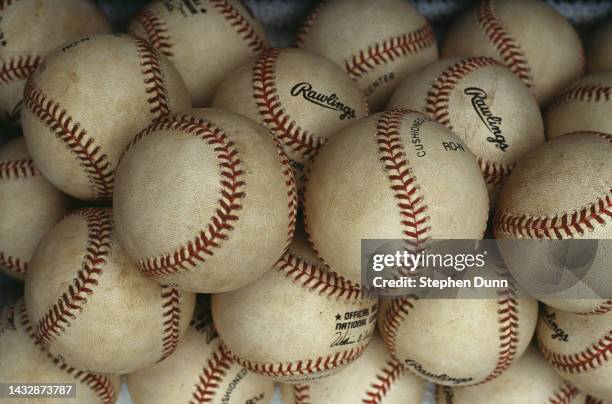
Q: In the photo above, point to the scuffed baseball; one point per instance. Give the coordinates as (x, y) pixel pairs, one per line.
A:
(30, 29)
(301, 97)
(560, 191)
(25, 361)
(378, 43)
(373, 378)
(297, 323)
(92, 308)
(482, 102)
(579, 348)
(394, 175)
(87, 100)
(205, 40)
(582, 106)
(201, 370)
(599, 48)
(217, 207)
(29, 207)
(529, 380)
(530, 37)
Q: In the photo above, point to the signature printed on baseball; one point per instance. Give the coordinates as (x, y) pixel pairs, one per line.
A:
(558, 333)
(492, 122)
(329, 101)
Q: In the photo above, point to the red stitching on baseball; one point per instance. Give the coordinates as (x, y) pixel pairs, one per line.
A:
(378, 390)
(509, 50)
(212, 376)
(154, 78)
(14, 169)
(388, 50)
(494, 173)
(324, 282)
(413, 210)
(302, 367)
(99, 384)
(240, 24)
(13, 264)
(231, 193)
(593, 400)
(301, 394)
(19, 68)
(291, 191)
(308, 23)
(585, 93)
(155, 30)
(588, 359)
(393, 317)
(564, 395)
(75, 138)
(272, 112)
(601, 309)
(99, 242)
(171, 306)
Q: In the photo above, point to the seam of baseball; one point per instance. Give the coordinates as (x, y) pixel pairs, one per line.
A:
(292, 194)
(506, 46)
(593, 400)
(308, 23)
(74, 137)
(601, 309)
(590, 358)
(13, 264)
(393, 317)
(301, 394)
(412, 207)
(188, 254)
(156, 31)
(71, 303)
(564, 394)
(16, 169)
(312, 277)
(585, 93)
(494, 173)
(155, 83)
(240, 24)
(212, 376)
(19, 68)
(385, 379)
(388, 50)
(171, 308)
(271, 110)
(302, 367)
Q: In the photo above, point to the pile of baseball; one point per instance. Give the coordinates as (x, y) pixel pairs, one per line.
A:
(189, 157)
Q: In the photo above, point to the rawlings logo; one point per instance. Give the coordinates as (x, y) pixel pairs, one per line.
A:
(558, 333)
(330, 101)
(492, 122)
(441, 378)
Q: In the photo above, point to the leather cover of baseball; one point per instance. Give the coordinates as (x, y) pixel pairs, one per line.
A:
(301, 97)
(87, 100)
(582, 106)
(394, 175)
(482, 102)
(201, 370)
(205, 40)
(298, 322)
(599, 49)
(529, 380)
(560, 191)
(205, 201)
(91, 307)
(25, 361)
(373, 378)
(530, 37)
(30, 30)
(378, 43)
(579, 348)
(29, 207)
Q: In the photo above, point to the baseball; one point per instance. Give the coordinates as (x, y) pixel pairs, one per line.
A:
(25, 361)
(484, 104)
(297, 323)
(373, 378)
(197, 217)
(394, 175)
(378, 43)
(86, 299)
(301, 97)
(29, 207)
(599, 49)
(201, 370)
(557, 193)
(87, 100)
(29, 30)
(532, 39)
(529, 380)
(579, 348)
(583, 106)
(204, 39)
